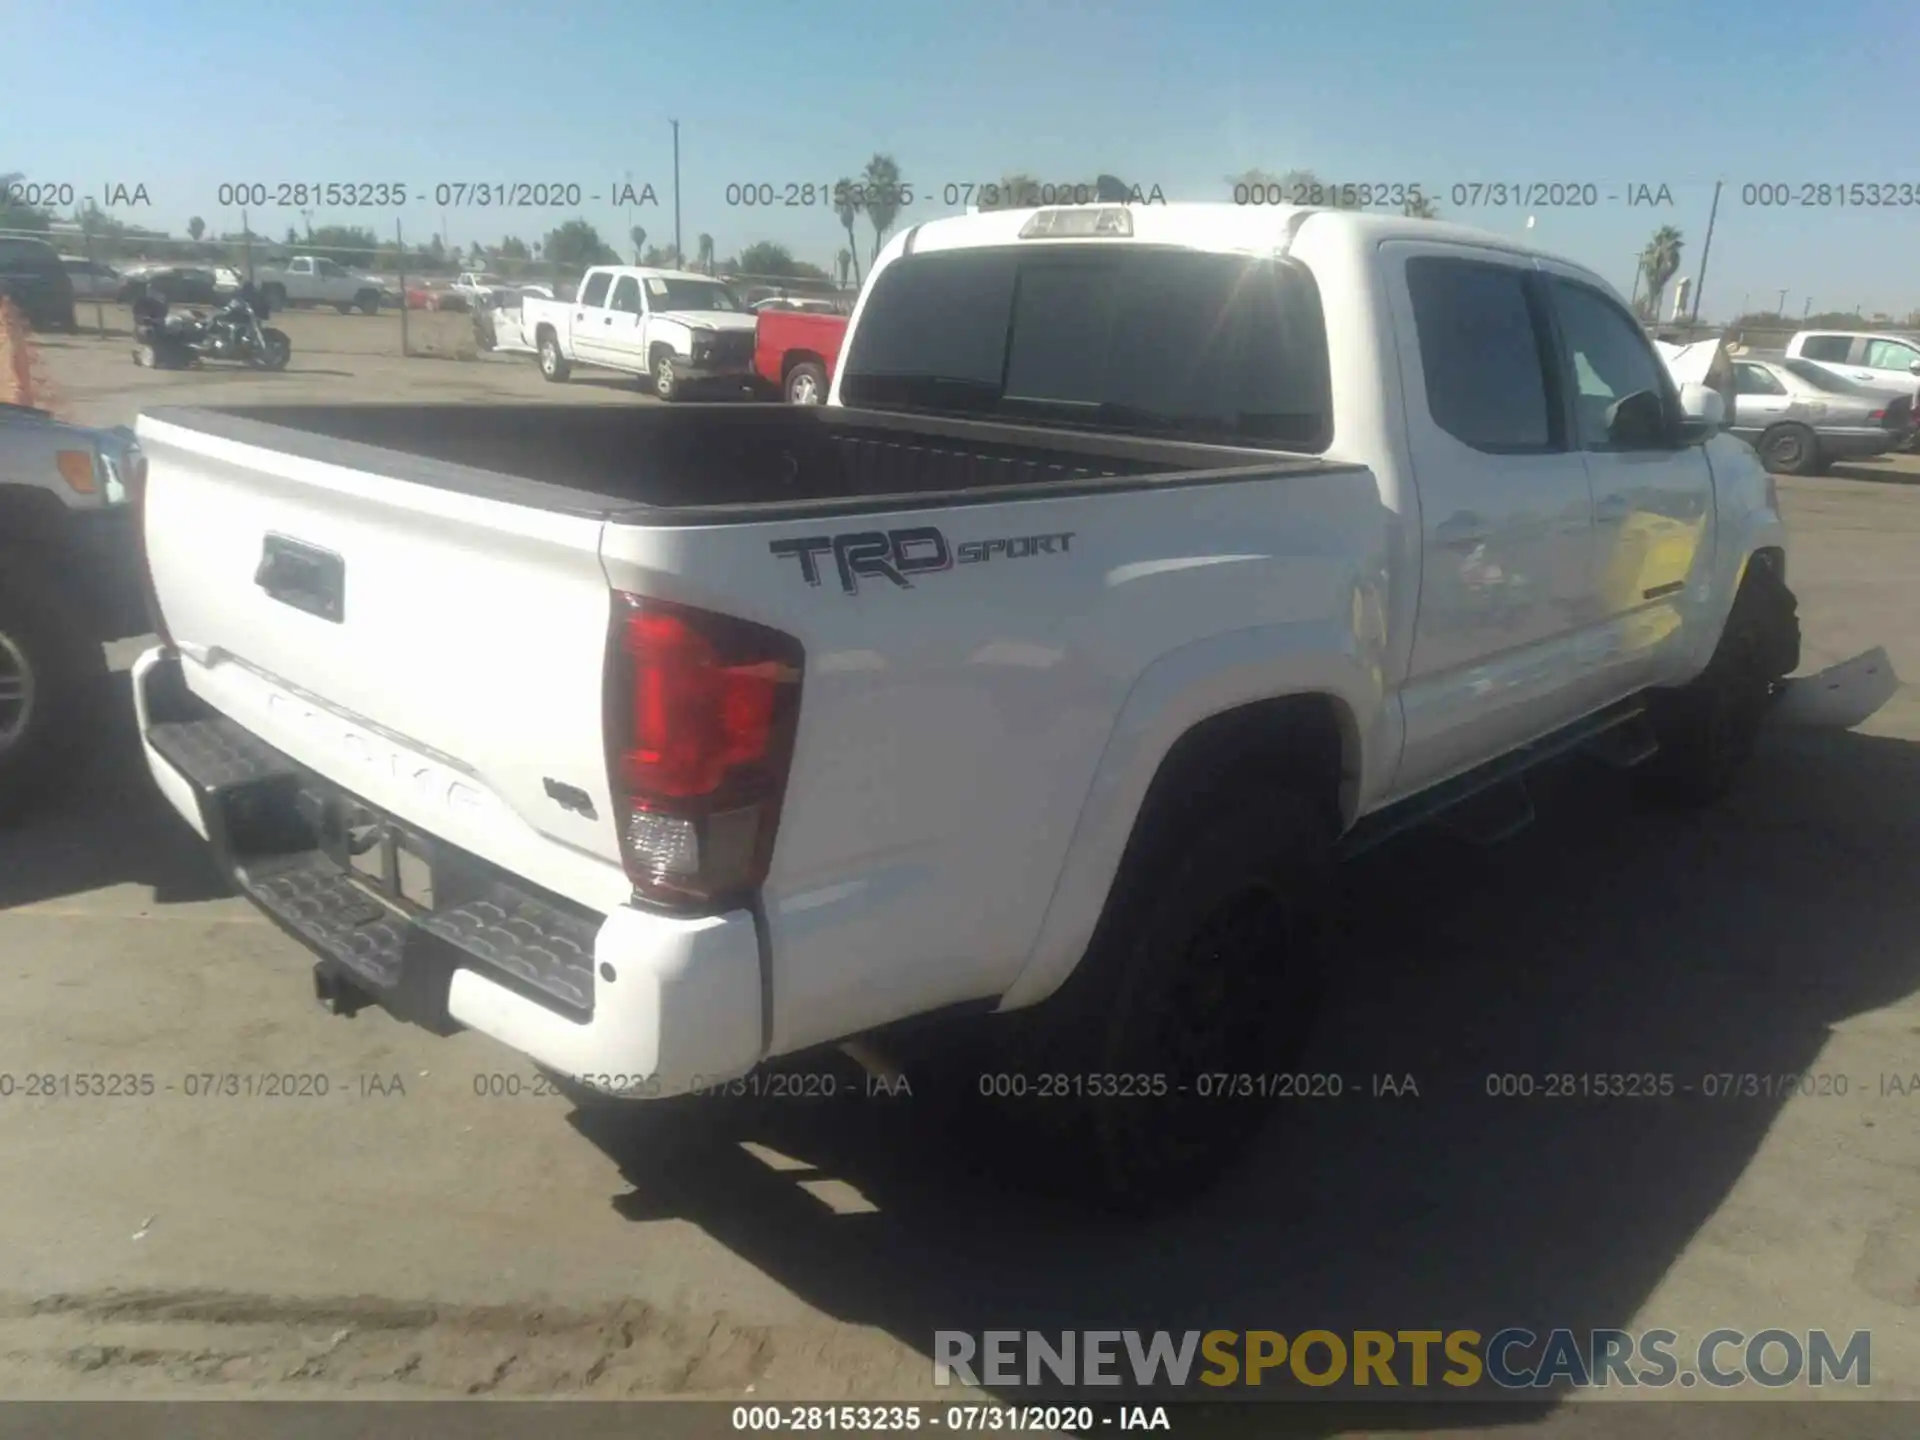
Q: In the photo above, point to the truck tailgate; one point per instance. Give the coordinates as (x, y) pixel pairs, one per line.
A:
(438, 654)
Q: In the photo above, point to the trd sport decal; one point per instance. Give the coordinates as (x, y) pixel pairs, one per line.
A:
(897, 554)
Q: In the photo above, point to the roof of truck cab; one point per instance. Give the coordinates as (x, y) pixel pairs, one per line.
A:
(1905, 337)
(649, 272)
(1218, 226)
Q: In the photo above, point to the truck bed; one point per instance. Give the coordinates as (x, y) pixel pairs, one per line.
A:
(724, 462)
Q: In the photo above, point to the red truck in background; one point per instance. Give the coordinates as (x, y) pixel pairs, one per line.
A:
(795, 350)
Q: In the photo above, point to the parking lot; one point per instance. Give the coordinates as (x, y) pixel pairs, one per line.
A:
(430, 1226)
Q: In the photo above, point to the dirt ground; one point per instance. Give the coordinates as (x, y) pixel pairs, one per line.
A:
(430, 1227)
(336, 358)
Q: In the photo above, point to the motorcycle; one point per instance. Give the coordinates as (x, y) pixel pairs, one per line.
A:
(168, 341)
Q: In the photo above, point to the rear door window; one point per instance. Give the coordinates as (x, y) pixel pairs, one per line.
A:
(1482, 353)
(594, 293)
(1826, 347)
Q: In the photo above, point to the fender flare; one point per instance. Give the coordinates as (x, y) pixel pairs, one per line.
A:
(1180, 690)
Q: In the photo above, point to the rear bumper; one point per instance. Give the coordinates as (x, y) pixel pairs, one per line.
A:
(633, 1003)
(1857, 444)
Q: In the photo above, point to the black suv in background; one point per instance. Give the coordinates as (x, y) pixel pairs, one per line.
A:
(32, 275)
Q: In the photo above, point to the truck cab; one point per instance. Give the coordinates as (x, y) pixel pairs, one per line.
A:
(315, 280)
(677, 327)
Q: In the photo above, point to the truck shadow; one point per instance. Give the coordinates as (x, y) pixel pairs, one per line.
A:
(1884, 473)
(1611, 939)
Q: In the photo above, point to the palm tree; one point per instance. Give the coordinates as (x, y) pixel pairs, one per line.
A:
(846, 204)
(706, 253)
(196, 227)
(1659, 262)
(638, 235)
(882, 179)
(844, 260)
(1420, 208)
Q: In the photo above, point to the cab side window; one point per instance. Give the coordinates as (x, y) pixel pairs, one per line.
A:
(1484, 353)
(1890, 355)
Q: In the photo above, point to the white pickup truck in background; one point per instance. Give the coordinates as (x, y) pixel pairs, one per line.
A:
(315, 280)
(1147, 561)
(1885, 362)
(676, 327)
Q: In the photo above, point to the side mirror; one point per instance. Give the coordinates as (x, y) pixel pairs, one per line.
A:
(1914, 368)
(1638, 421)
(1703, 404)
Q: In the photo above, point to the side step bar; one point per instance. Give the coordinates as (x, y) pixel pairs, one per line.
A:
(1491, 803)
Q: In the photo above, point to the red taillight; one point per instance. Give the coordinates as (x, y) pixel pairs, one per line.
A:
(700, 723)
(137, 492)
(1876, 414)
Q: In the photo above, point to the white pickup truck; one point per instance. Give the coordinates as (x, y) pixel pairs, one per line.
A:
(1146, 561)
(674, 326)
(316, 280)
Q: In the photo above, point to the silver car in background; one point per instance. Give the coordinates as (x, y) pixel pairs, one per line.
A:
(1802, 418)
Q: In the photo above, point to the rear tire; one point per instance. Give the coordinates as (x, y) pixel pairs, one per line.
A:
(1789, 449)
(807, 384)
(279, 350)
(51, 672)
(368, 302)
(1207, 964)
(553, 364)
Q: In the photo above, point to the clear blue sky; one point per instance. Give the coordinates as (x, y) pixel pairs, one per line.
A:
(182, 95)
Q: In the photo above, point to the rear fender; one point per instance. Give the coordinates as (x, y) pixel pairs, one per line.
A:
(1177, 692)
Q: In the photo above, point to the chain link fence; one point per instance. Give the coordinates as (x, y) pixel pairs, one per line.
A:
(391, 298)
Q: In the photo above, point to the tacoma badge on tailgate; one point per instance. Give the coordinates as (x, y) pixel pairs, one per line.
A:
(896, 554)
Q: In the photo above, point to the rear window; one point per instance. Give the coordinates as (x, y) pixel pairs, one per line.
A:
(1141, 339)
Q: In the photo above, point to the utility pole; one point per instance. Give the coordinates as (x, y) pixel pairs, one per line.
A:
(1700, 281)
(1781, 308)
(1806, 309)
(1633, 301)
(676, 193)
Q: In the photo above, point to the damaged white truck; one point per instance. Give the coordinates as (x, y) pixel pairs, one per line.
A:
(1145, 562)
